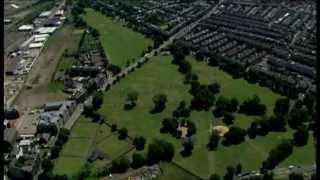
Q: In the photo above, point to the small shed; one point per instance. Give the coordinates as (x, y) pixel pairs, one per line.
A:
(36, 45)
(26, 28)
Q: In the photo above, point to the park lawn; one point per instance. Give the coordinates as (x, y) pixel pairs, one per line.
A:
(68, 165)
(76, 147)
(84, 128)
(114, 147)
(104, 132)
(305, 155)
(237, 88)
(156, 76)
(171, 171)
(119, 42)
(160, 76)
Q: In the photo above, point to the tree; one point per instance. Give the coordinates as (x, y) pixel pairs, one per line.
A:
(309, 102)
(55, 150)
(277, 123)
(94, 32)
(213, 140)
(213, 61)
(45, 176)
(181, 111)
(301, 136)
(268, 176)
(199, 56)
(281, 106)
(224, 105)
(63, 136)
(252, 130)
(187, 148)
(137, 160)
(214, 87)
(252, 106)
(185, 67)
(214, 177)
(123, 133)
(114, 69)
(159, 101)
(295, 176)
(169, 125)
(47, 165)
(278, 154)
(60, 177)
(235, 135)
(87, 110)
(203, 98)
(228, 118)
(120, 166)
(113, 127)
(97, 100)
(229, 174)
(160, 150)
(131, 99)
(139, 142)
(233, 105)
(298, 116)
(238, 168)
(191, 128)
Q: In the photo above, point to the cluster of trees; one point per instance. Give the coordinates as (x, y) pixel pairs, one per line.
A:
(278, 154)
(277, 122)
(160, 150)
(225, 106)
(131, 101)
(252, 106)
(139, 142)
(181, 111)
(114, 69)
(214, 140)
(120, 166)
(235, 135)
(159, 101)
(170, 125)
(187, 148)
(63, 137)
(97, 100)
(179, 53)
(122, 133)
(203, 95)
(299, 115)
(190, 77)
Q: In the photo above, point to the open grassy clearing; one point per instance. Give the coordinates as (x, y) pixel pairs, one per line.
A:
(170, 171)
(86, 135)
(68, 165)
(120, 43)
(160, 76)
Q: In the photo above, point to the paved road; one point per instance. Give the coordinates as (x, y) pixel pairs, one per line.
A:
(306, 170)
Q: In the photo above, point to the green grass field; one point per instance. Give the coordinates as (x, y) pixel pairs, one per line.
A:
(160, 76)
(86, 135)
(120, 43)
